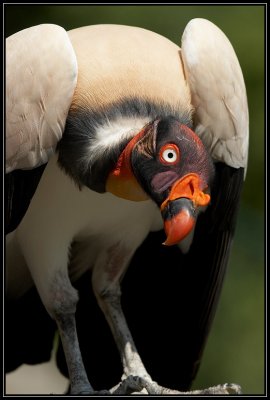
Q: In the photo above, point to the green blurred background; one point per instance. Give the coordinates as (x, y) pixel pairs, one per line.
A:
(235, 349)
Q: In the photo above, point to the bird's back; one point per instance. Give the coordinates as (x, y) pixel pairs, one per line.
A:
(117, 62)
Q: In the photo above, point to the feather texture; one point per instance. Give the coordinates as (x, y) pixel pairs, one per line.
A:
(218, 92)
(41, 74)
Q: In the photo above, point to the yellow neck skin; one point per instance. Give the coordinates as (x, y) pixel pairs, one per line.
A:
(121, 181)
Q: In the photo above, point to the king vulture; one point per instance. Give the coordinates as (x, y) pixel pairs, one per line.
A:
(122, 150)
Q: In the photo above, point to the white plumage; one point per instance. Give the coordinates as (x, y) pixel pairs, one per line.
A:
(41, 75)
(222, 112)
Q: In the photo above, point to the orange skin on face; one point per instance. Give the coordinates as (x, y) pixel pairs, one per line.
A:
(188, 187)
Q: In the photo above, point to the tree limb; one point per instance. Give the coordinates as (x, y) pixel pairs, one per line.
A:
(138, 385)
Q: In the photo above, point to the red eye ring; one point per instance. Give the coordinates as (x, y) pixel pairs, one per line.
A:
(169, 154)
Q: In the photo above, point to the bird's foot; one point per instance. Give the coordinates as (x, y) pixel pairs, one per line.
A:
(136, 384)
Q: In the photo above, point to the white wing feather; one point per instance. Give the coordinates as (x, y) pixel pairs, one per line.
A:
(41, 75)
(218, 92)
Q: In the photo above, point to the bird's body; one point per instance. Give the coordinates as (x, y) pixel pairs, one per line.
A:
(128, 162)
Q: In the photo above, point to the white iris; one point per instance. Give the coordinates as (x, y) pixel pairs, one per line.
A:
(169, 155)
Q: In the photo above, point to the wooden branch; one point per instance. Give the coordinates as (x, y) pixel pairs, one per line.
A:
(138, 385)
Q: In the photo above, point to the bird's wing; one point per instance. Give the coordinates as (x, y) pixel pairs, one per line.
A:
(39, 90)
(221, 119)
(218, 92)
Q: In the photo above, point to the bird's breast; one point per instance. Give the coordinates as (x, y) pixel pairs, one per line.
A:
(62, 213)
(104, 221)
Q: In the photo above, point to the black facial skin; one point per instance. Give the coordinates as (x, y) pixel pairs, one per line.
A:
(155, 177)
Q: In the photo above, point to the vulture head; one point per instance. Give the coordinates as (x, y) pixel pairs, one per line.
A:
(167, 162)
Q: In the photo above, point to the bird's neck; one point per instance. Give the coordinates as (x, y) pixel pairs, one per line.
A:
(93, 141)
(121, 180)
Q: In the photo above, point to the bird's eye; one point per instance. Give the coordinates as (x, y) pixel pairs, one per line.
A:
(169, 154)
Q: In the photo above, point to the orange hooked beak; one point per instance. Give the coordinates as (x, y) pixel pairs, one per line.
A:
(179, 209)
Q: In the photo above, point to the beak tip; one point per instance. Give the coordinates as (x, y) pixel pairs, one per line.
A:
(165, 243)
(178, 226)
